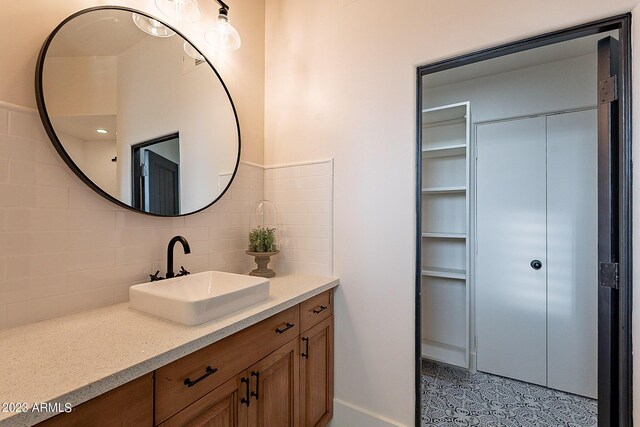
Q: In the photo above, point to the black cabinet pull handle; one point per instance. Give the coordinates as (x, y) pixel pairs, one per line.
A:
(284, 328)
(208, 372)
(306, 352)
(319, 309)
(246, 400)
(256, 394)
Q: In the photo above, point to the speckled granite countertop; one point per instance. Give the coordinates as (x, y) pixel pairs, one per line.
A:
(75, 358)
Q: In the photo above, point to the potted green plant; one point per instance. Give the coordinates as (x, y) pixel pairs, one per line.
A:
(262, 246)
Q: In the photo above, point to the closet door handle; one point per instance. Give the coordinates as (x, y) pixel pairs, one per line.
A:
(536, 264)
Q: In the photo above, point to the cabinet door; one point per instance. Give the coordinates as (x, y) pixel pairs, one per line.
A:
(226, 406)
(316, 374)
(274, 388)
(511, 289)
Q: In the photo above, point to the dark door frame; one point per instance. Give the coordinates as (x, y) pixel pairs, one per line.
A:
(621, 403)
(137, 186)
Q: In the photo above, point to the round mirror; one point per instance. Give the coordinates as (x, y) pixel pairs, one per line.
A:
(137, 112)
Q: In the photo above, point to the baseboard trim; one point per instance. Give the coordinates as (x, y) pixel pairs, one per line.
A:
(347, 415)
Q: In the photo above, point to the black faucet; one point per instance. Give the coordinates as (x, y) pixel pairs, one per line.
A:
(187, 250)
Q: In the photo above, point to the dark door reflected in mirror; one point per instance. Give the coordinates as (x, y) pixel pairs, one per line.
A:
(156, 171)
(135, 116)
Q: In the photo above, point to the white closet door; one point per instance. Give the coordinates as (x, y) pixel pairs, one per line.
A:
(572, 226)
(511, 232)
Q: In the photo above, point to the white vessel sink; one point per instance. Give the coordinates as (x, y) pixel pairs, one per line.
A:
(199, 297)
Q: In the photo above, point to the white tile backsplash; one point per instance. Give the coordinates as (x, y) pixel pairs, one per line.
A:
(3, 264)
(14, 148)
(63, 248)
(43, 308)
(25, 124)
(3, 316)
(17, 196)
(52, 197)
(22, 172)
(45, 242)
(4, 170)
(303, 196)
(33, 288)
(4, 121)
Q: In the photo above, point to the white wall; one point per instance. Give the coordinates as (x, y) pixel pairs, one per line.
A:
(341, 78)
(81, 85)
(546, 88)
(192, 103)
(75, 148)
(98, 157)
(167, 149)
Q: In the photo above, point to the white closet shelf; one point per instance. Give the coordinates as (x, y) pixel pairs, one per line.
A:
(444, 235)
(449, 122)
(444, 190)
(444, 113)
(444, 151)
(448, 273)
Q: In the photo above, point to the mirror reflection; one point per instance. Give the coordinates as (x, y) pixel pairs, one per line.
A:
(136, 109)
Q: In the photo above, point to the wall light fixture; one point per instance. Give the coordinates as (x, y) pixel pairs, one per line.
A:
(221, 36)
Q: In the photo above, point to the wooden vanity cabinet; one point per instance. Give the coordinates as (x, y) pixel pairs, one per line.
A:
(290, 387)
(264, 395)
(210, 367)
(276, 373)
(223, 407)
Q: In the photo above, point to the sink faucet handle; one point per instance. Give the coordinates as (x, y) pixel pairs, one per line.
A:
(183, 272)
(154, 277)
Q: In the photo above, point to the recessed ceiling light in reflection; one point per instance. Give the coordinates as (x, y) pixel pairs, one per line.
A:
(102, 131)
(151, 26)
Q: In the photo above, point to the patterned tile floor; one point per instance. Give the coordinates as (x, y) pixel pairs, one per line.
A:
(455, 397)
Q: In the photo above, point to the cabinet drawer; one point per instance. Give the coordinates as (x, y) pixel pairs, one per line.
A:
(316, 309)
(184, 381)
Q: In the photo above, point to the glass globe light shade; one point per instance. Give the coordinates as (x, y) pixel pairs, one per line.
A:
(223, 35)
(192, 51)
(263, 214)
(151, 26)
(180, 10)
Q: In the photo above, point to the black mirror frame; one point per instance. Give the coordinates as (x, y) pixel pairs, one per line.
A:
(44, 116)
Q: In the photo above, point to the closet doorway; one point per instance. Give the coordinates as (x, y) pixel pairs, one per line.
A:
(523, 295)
